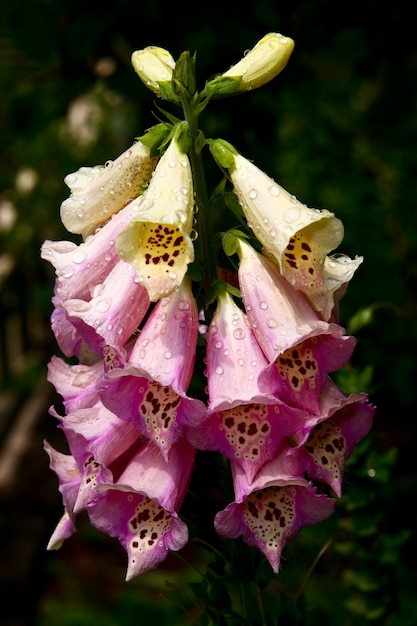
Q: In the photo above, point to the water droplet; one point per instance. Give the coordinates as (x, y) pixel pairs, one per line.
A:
(274, 190)
(103, 305)
(238, 333)
(66, 272)
(168, 354)
(219, 370)
(253, 194)
(78, 257)
(183, 305)
(218, 344)
(263, 305)
(272, 323)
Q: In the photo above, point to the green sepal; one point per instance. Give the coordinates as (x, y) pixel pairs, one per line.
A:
(230, 241)
(155, 137)
(167, 92)
(181, 132)
(222, 87)
(184, 74)
(223, 152)
(218, 287)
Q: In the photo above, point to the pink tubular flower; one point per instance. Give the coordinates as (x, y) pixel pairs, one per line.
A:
(69, 476)
(99, 192)
(113, 313)
(301, 348)
(150, 391)
(271, 510)
(157, 242)
(243, 423)
(299, 238)
(97, 440)
(141, 510)
(79, 269)
(322, 451)
(79, 385)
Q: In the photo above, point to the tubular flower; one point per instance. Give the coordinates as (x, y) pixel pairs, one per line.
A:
(157, 242)
(78, 385)
(301, 348)
(113, 313)
(261, 64)
(243, 423)
(150, 391)
(271, 510)
(297, 237)
(141, 510)
(79, 269)
(322, 452)
(99, 192)
(69, 476)
(97, 439)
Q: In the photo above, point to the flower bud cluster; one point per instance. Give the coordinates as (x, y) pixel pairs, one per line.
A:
(126, 312)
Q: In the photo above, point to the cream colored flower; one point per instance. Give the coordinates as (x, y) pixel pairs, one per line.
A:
(157, 242)
(99, 192)
(296, 236)
(261, 64)
(154, 66)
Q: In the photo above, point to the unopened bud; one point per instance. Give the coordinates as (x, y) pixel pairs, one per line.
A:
(261, 64)
(155, 67)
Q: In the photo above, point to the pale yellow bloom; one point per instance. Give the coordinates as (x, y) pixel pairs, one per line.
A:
(261, 64)
(99, 192)
(296, 236)
(154, 66)
(157, 242)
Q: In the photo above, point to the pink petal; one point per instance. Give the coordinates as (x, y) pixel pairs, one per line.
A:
(324, 453)
(273, 509)
(301, 349)
(244, 424)
(80, 268)
(150, 391)
(142, 509)
(113, 313)
(78, 385)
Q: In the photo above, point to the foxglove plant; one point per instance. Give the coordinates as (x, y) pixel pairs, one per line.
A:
(184, 340)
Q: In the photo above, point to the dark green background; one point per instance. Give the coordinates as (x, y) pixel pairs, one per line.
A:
(338, 129)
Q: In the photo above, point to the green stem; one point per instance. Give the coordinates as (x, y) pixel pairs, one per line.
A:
(204, 243)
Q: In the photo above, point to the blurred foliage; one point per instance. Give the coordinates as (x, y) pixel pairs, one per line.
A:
(337, 128)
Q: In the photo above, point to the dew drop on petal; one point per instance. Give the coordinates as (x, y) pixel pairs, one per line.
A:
(78, 257)
(183, 305)
(238, 333)
(103, 305)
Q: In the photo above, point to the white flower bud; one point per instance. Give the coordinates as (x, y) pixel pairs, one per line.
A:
(261, 64)
(153, 65)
